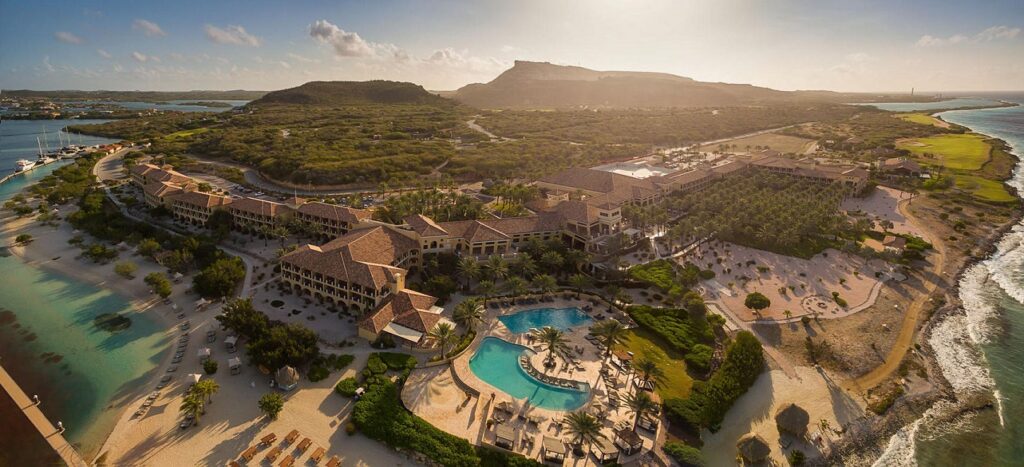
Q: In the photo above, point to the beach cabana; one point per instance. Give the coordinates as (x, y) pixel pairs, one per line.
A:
(235, 364)
(792, 419)
(193, 378)
(505, 437)
(753, 448)
(628, 441)
(287, 378)
(554, 449)
(605, 450)
(230, 342)
(202, 302)
(204, 354)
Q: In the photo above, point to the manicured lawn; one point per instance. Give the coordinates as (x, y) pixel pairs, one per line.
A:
(960, 152)
(645, 344)
(923, 119)
(989, 190)
(185, 133)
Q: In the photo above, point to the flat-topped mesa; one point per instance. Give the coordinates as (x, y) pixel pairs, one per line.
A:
(338, 93)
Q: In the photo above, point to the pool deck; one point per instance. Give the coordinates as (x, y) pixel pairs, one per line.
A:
(436, 394)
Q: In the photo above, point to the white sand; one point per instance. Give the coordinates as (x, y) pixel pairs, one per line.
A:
(755, 411)
(882, 205)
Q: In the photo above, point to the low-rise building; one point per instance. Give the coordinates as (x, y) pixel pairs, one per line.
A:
(901, 167)
(406, 315)
(331, 220)
(161, 193)
(196, 207)
(255, 215)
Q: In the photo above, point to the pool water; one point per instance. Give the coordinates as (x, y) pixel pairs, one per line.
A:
(496, 362)
(558, 318)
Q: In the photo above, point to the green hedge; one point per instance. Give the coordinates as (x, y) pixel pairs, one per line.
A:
(347, 387)
(685, 455)
(677, 326)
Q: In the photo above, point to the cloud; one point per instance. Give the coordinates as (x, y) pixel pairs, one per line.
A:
(345, 44)
(139, 57)
(47, 65)
(234, 35)
(103, 53)
(301, 59)
(149, 28)
(67, 37)
(988, 35)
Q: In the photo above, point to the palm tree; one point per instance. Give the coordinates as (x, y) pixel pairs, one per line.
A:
(444, 334)
(486, 288)
(524, 266)
(469, 314)
(648, 371)
(579, 282)
(206, 389)
(553, 340)
(516, 286)
(552, 260)
(610, 332)
(546, 283)
(193, 405)
(640, 404)
(469, 267)
(583, 427)
(497, 266)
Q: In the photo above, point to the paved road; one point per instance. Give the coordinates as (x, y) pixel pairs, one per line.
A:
(56, 439)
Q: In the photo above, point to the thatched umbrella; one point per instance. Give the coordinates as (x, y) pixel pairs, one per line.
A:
(792, 419)
(753, 448)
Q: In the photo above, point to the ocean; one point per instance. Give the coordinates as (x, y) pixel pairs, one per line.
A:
(981, 350)
(47, 338)
(18, 139)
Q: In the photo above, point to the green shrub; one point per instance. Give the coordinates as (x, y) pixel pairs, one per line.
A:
(699, 358)
(210, 366)
(317, 373)
(677, 326)
(376, 365)
(685, 455)
(347, 387)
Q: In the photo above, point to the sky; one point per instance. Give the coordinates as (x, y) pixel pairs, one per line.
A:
(850, 45)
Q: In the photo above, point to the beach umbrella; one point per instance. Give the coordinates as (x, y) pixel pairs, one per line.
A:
(753, 448)
(792, 419)
(194, 377)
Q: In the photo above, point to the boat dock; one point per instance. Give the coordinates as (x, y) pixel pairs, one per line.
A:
(65, 450)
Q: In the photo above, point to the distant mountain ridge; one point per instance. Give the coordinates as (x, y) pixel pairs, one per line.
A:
(540, 85)
(353, 93)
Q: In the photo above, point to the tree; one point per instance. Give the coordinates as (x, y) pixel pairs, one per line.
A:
(487, 289)
(497, 267)
(648, 370)
(579, 281)
(583, 427)
(125, 269)
(468, 314)
(148, 247)
(241, 317)
(193, 405)
(610, 333)
(469, 268)
(210, 366)
(552, 260)
(546, 283)
(271, 404)
(757, 301)
(444, 334)
(22, 239)
(206, 388)
(158, 281)
(640, 404)
(516, 286)
(553, 340)
(284, 344)
(219, 279)
(220, 223)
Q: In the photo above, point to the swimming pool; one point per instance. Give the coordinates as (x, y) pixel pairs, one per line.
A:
(559, 318)
(496, 362)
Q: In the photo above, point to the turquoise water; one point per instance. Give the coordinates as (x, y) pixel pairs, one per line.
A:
(946, 104)
(18, 139)
(558, 318)
(496, 362)
(49, 344)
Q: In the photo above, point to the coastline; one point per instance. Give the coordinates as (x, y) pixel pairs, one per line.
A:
(869, 440)
(50, 243)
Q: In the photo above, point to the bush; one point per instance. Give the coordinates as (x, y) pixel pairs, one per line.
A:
(125, 269)
(219, 278)
(350, 428)
(347, 387)
(317, 373)
(677, 326)
(796, 458)
(376, 365)
(324, 364)
(158, 281)
(699, 358)
(210, 366)
(685, 455)
(23, 238)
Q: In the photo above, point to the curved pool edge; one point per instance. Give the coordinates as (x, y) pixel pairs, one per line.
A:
(587, 394)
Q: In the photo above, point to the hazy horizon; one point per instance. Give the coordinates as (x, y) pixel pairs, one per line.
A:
(870, 46)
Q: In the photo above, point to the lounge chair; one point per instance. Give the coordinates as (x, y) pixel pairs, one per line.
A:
(317, 455)
(248, 454)
(272, 455)
(304, 445)
(268, 439)
(287, 461)
(292, 436)
(334, 462)
(234, 464)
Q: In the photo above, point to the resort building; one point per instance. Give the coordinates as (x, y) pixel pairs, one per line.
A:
(162, 193)
(195, 207)
(852, 176)
(901, 167)
(331, 220)
(600, 187)
(144, 174)
(483, 237)
(254, 215)
(406, 315)
(357, 271)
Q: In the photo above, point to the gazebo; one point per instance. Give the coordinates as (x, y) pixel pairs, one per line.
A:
(204, 354)
(235, 364)
(753, 448)
(230, 342)
(505, 437)
(793, 420)
(287, 378)
(605, 450)
(554, 449)
(627, 440)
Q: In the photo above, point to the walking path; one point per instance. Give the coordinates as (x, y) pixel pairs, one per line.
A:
(772, 352)
(910, 320)
(56, 438)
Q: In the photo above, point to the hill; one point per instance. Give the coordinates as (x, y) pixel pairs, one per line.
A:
(335, 93)
(542, 85)
(136, 96)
